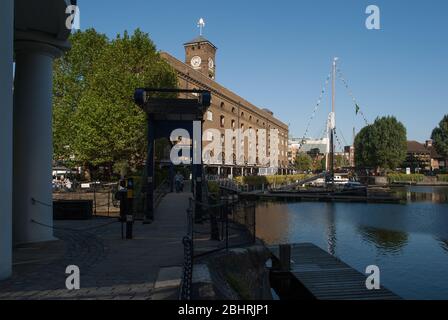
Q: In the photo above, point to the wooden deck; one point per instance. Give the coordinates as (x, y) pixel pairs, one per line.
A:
(328, 278)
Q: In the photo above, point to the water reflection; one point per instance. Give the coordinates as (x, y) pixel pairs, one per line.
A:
(386, 241)
(444, 244)
(273, 221)
(409, 242)
(434, 194)
(330, 228)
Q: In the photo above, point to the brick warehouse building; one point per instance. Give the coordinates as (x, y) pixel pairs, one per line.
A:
(227, 110)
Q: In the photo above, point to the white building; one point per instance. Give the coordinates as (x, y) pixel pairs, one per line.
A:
(299, 145)
(35, 32)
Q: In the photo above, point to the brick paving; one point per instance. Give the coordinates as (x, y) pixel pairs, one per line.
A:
(111, 268)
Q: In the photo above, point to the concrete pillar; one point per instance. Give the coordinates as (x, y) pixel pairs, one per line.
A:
(6, 79)
(33, 150)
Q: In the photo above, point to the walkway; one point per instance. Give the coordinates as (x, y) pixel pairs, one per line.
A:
(111, 268)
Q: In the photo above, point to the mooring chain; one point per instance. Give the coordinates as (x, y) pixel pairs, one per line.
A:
(187, 275)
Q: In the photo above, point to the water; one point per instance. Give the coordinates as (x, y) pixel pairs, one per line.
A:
(408, 242)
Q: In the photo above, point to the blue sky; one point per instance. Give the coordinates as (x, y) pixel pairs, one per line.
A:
(277, 54)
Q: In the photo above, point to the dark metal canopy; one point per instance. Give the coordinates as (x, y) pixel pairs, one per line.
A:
(195, 107)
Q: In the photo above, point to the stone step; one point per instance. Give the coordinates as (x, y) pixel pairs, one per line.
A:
(167, 285)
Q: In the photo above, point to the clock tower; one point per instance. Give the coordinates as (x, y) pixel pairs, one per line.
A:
(200, 55)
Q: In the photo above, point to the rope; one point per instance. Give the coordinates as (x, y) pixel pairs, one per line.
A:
(337, 140)
(313, 114)
(73, 230)
(358, 109)
(343, 138)
(34, 201)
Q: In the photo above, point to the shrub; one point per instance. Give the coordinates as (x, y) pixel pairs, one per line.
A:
(213, 187)
(401, 177)
(442, 177)
(258, 181)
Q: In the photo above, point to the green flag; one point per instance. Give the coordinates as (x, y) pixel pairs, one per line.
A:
(356, 108)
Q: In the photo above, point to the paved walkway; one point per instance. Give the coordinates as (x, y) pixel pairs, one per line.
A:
(111, 268)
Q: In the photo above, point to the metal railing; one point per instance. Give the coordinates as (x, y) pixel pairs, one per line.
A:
(224, 225)
(101, 195)
(187, 273)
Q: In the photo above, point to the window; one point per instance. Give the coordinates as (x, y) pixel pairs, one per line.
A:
(222, 105)
(209, 136)
(222, 121)
(242, 114)
(233, 110)
(233, 124)
(209, 116)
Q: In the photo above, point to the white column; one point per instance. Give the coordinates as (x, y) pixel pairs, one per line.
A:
(6, 78)
(33, 141)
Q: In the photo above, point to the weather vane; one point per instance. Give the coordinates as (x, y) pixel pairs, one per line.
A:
(201, 25)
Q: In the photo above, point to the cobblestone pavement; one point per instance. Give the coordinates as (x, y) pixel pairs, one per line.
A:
(111, 268)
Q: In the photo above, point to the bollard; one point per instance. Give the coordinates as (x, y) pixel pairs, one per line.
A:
(130, 204)
(285, 257)
(129, 226)
(120, 195)
(125, 195)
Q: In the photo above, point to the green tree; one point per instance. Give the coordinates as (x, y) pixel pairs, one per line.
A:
(381, 145)
(105, 126)
(440, 137)
(303, 162)
(72, 74)
(340, 161)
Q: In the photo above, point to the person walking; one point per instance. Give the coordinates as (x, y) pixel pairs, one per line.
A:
(179, 182)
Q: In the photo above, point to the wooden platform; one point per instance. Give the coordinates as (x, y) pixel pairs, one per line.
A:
(328, 278)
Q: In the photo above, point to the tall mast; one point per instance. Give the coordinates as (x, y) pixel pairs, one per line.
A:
(333, 91)
(332, 121)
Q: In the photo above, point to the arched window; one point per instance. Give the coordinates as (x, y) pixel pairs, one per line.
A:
(233, 124)
(222, 105)
(222, 121)
(209, 116)
(242, 114)
(233, 110)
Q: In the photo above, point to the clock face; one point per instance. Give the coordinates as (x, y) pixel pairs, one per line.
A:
(196, 62)
(211, 63)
